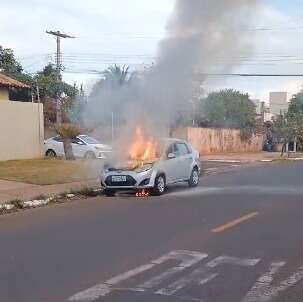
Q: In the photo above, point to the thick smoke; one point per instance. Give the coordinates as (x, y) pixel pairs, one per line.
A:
(199, 34)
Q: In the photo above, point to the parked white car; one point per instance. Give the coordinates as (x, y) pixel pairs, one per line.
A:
(179, 162)
(83, 146)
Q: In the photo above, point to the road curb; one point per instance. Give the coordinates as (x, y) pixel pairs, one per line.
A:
(19, 205)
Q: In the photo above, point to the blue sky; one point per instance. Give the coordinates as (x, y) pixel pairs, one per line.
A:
(128, 31)
(292, 6)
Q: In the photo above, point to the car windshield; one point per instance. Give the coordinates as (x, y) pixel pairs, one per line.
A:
(89, 140)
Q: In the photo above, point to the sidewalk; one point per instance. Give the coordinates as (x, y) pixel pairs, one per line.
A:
(250, 157)
(10, 190)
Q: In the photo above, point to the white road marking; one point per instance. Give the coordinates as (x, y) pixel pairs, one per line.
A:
(101, 290)
(204, 274)
(230, 161)
(264, 291)
(187, 260)
(190, 299)
(232, 260)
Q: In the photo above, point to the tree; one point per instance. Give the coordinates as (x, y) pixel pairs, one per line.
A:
(114, 77)
(49, 88)
(111, 94)
(12, 68)
(77, 107)
(68, 132)
(228, 109)
(8, 63)
(117, 76)
(295, 117)
(296, 104)
(289, 127)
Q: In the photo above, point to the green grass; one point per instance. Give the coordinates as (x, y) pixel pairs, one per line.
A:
(48, 172)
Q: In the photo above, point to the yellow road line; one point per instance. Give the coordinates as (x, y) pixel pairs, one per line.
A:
(235, 222)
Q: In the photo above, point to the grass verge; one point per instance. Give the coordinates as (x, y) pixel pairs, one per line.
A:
(48, 172)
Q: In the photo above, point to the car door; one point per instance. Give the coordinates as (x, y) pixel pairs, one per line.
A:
(57, 146)
(79, 148)
(184, 160)
(171, 164)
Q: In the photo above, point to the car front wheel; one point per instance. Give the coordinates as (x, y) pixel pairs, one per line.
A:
(51, 154)
(159, 187)
(194, 178)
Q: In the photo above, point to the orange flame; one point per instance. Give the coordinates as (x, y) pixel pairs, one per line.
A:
(143, 148)
(142, 193)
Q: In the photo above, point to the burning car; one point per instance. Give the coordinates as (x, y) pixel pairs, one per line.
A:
(152, 166)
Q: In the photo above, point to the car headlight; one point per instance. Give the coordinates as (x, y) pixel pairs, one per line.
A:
(144, 168)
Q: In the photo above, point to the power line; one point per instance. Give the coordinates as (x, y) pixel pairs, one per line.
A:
(92, 71)
(251, 75)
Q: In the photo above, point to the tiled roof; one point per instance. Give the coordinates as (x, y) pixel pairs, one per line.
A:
(9, 82)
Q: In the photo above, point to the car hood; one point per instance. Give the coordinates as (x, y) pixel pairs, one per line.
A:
(131, 165)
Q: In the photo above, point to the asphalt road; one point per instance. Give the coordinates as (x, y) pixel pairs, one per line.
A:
(236, 238)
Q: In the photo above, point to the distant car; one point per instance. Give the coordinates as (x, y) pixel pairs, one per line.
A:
(83, 146)
(178, 162)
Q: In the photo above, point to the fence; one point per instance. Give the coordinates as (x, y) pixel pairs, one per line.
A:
(211, 141)
(21, 130)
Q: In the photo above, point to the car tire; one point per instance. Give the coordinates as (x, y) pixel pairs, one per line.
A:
(159, 186)
(194, 178)
(51, 154)
(90, 155)
(109, 193)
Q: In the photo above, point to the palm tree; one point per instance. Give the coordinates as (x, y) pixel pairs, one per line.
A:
(116, 75)
(68, 132)
(114, 78)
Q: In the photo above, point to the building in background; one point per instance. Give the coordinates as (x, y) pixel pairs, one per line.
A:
(263, 111)
(278, 103)
(266, 115)
(257, 103)
(7, 84)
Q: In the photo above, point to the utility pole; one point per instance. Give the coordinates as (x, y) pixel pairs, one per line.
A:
(58, 36)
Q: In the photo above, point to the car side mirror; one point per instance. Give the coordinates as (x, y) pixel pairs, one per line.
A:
(171, 155)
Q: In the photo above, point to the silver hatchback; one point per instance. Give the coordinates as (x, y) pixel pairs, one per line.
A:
(178, 162)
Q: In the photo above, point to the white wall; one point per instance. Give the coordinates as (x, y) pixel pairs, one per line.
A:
(21, 130)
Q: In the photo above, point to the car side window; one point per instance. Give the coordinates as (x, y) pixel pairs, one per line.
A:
(182, 149)
(77, 141)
